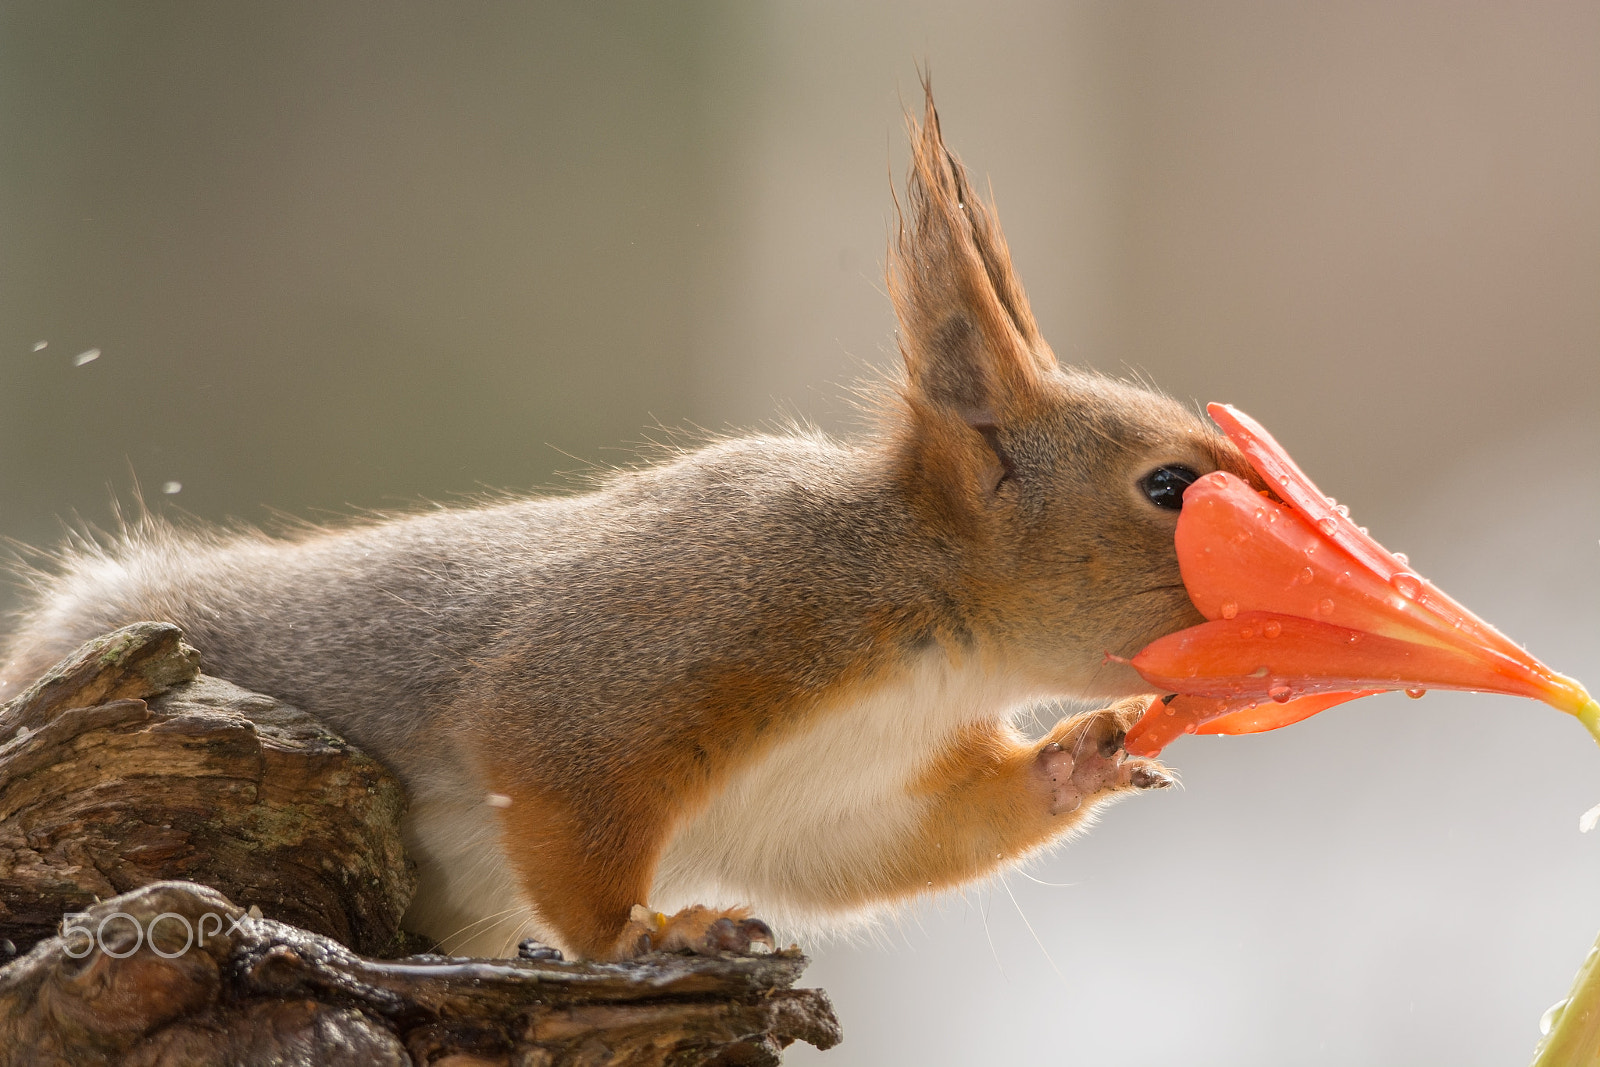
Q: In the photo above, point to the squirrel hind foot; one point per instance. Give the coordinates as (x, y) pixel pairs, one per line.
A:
(700, 930)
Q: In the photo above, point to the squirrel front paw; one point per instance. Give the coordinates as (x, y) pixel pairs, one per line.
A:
(1085, 756)
(703, 931)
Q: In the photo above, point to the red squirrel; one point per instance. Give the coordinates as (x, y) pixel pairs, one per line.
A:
(776, 675)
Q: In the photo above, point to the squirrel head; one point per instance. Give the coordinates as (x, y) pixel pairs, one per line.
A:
(1054, 491)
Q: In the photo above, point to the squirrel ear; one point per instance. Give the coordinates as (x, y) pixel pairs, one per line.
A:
(966, 333)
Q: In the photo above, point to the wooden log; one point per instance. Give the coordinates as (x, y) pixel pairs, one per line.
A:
(175, 973)
(126, 766)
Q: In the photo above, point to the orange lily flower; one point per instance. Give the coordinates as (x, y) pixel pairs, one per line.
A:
(1307, 611)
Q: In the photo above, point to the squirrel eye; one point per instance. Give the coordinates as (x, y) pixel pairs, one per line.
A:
(1165, 485)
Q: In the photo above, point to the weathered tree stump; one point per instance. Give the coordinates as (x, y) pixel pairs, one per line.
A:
(125, 768)
(175, 973)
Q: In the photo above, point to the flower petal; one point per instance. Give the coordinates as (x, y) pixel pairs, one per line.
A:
(1170, 718)
(1261, 655)
(1259, 718)
(1336, 527)
(1308, 611)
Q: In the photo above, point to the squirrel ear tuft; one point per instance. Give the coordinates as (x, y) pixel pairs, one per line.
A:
(966, 333)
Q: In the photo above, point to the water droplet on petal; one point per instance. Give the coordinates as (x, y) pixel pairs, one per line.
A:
(1354, 638)
(1416, 694)
(1327, 524)
(1218, 478)
(1306, 575)
(1408, 585)
(1283, 480)
(1189, 727)
(1551, 1016)
(1363, 529)
(1229, 609)
(1342, 510)
(1247, 631)
(1325, 606)
(1402, 557)
(1280, 693)
(1272, 628)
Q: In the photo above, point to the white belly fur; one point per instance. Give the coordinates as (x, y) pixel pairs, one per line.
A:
(822, 805)
(817, 806)
(467, 898)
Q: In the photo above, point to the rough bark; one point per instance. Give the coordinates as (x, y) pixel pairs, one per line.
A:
(125, 768)
(120, 987)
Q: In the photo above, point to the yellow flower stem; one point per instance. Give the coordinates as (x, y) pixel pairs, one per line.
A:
(1589, 715)
(1574, 1038)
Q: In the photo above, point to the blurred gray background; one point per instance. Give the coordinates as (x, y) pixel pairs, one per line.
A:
(354, 255)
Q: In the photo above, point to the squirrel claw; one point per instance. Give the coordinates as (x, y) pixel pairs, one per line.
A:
(743, 935)
(1150, 776)
(1112, 743)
